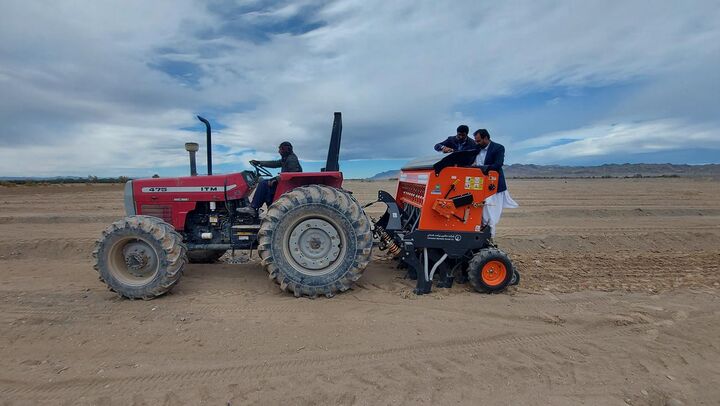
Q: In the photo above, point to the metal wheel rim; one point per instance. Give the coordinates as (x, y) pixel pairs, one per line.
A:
(493, 273)
(315, 245)
(133, 261)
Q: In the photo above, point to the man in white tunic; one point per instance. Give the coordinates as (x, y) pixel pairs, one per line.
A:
(491, 157)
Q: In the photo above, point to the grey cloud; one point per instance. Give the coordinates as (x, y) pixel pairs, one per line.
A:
(396, 69)
(691, 91)
(623, 139)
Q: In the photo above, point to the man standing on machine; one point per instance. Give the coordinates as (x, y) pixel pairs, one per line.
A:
(459, 142)
(491, 157)
(265, 190)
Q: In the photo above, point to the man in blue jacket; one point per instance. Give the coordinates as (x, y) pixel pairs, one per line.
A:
(491, 157)
(459, 142)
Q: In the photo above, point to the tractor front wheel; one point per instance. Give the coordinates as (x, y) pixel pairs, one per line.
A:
(140, 257)
(315, 240)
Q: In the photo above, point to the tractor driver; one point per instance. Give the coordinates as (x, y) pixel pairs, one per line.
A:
(265, 190)
(458, 142)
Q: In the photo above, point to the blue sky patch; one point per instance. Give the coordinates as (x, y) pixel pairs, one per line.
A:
(549, 110)
(185, 72)
(259, 22)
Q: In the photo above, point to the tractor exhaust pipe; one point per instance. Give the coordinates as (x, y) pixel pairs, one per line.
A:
(333, 158)
(209, 149)
(192, 148)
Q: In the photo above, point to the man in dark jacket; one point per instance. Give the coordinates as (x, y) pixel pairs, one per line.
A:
(459, 142)
(265, 190)
(491, 157)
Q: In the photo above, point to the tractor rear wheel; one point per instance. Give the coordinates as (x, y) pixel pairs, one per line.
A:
(315, 240)
(490, 270)
(204, 256)
(140, 257)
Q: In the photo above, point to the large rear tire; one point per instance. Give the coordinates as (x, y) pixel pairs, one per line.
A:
(140, 257)
(315, 240)
(204, 256)
(490, 270)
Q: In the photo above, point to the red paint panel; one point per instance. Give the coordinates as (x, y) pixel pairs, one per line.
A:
(182, 194)
(290, 180)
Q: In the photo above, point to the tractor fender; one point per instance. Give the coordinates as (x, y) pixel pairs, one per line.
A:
(288, 181)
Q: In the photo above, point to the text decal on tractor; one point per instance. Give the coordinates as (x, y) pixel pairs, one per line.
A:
(195, 189)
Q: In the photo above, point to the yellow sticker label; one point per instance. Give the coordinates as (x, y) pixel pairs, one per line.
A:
(474, 183)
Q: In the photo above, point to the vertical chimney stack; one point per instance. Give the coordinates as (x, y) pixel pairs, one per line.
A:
(209, 144)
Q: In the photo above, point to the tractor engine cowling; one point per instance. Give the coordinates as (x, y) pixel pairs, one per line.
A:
(171, 199)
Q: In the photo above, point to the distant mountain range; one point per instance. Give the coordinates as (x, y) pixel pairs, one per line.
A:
(393, 174)
(607, 170)
(38, 178)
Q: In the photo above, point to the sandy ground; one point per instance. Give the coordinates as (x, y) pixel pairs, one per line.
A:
(618, 304)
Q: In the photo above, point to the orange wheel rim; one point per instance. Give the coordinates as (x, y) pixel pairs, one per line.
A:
(494, 273)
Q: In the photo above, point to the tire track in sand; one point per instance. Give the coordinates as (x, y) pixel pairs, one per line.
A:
(67, 310)
(534, 231)
(278, 367)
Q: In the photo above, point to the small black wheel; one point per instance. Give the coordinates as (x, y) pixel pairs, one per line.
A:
(490, 270)
(140, 257)
(204, 256)
(515, 278)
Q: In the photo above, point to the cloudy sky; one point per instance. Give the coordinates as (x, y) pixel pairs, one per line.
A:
(112, 87)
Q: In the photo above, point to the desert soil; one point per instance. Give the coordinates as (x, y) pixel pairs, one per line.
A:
(618, 304)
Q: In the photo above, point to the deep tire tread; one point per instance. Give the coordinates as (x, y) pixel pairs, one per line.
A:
(165, 235)
(479, 260)
(339, 200)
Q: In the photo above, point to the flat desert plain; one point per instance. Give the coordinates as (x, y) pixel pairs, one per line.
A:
(618, 305)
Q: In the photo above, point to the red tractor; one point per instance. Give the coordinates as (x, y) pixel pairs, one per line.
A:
(315, 238)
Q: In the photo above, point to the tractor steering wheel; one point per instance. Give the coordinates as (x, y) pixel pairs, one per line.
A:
(260, 170)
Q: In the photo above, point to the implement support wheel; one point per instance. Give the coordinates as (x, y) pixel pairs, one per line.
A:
(490, 270)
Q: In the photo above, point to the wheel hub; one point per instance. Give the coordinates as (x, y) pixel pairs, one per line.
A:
(139, 259)
(494, 272)
(315, 244)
